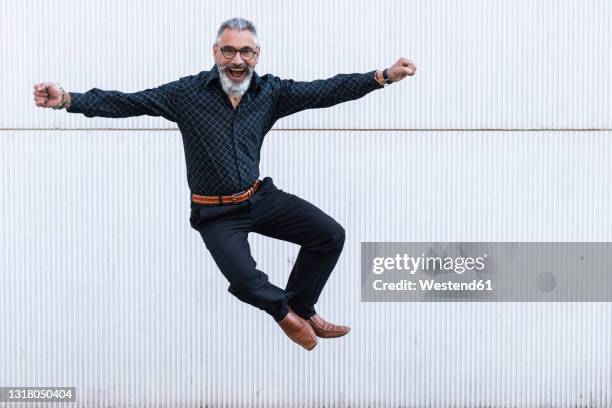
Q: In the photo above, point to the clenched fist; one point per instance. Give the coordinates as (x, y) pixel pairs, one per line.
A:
(47, 94)
(402, 68)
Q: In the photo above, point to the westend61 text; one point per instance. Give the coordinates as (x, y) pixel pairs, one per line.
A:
(430, 284)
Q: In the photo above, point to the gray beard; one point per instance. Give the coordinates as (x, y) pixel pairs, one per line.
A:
(231, 88)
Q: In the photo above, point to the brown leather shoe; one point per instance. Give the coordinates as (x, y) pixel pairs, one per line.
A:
(298, 330)
(326, 329)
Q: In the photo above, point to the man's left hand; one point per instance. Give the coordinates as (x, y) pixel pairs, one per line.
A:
(401, 69)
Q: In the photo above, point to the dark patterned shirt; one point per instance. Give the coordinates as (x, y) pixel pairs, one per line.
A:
(222, 145)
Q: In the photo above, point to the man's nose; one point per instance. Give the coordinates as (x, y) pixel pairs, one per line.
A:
(237, 59)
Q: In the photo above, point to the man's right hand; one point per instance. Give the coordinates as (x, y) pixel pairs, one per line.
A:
(47, 94)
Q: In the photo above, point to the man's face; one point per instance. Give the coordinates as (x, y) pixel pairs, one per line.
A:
(237, 68)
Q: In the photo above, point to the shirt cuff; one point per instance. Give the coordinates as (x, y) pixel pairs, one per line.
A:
(372, 80)
(74, 102)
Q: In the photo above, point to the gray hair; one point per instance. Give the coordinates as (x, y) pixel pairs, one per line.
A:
(239, 24)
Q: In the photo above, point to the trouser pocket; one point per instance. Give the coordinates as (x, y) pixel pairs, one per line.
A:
(201, 214)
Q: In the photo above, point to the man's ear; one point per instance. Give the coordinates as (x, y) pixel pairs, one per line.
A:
(214, 48)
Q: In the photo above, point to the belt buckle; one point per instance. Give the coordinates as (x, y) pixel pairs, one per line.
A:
(234, 197)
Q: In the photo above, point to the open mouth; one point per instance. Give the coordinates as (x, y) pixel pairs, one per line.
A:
(237, 73)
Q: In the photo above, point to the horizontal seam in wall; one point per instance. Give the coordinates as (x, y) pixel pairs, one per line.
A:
(333, 130)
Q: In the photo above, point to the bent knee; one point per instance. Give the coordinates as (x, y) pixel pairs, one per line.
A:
(339, 236)
(332, 239)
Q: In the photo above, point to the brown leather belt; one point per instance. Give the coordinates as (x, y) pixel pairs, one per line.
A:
(228, 199)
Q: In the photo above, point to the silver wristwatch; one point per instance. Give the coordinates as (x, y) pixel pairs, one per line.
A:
(63, 99)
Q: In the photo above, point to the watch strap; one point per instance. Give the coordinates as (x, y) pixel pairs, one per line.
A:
(386, 77)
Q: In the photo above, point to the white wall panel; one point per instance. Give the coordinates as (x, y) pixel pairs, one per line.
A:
(481, 64)
(104, 286)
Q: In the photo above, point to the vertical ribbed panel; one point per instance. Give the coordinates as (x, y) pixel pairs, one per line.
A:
(481, 64)
(104, 286)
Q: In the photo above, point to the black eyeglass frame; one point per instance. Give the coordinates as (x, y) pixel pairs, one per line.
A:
(229, 49)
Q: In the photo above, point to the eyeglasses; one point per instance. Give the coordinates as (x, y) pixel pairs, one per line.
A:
(246, 53)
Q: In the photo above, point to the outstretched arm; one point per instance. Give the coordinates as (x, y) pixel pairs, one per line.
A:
(294, 96)
(159, 101)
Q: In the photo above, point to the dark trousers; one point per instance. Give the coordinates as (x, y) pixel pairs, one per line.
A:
(277, 214)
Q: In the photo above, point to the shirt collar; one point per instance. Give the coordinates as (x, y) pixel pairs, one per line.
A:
(214, 75)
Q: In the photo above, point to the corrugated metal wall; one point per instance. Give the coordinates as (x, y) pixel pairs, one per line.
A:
(104, 285)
